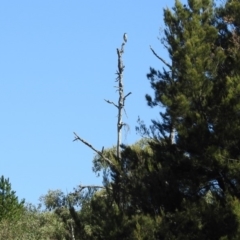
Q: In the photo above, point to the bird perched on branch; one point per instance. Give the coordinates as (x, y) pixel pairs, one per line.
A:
(125, 37)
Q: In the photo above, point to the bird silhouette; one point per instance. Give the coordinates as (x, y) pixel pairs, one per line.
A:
(125, 37)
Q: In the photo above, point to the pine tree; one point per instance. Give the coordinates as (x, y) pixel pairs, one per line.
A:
(200, 94)
(10, 207)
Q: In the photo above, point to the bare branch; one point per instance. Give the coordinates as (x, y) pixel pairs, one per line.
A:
(89, 186)
(161, 59)
(111, 103)
(230, 159)
(80, 188)
(121, 98)
(126, 96)
(94, 149)
(125, 112)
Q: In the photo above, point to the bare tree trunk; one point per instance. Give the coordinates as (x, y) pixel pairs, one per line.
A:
(72, 232)
(119, 106)
(121, 98)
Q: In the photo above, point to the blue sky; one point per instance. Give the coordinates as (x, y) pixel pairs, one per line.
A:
(57, 65)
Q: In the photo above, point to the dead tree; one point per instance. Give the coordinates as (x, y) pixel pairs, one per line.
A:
(119, 106)
(121, 98)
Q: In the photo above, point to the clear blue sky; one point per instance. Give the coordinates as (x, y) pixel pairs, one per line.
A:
(57, 63)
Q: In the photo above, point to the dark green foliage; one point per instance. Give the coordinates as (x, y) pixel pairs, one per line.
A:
(104, 220)
(201, 98)
(10, 207)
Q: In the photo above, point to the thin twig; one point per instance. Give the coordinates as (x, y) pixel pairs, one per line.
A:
(161, 59)
(127, 96)
(230, 159)
(82, 187)
(89, 186)
(111, 103)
